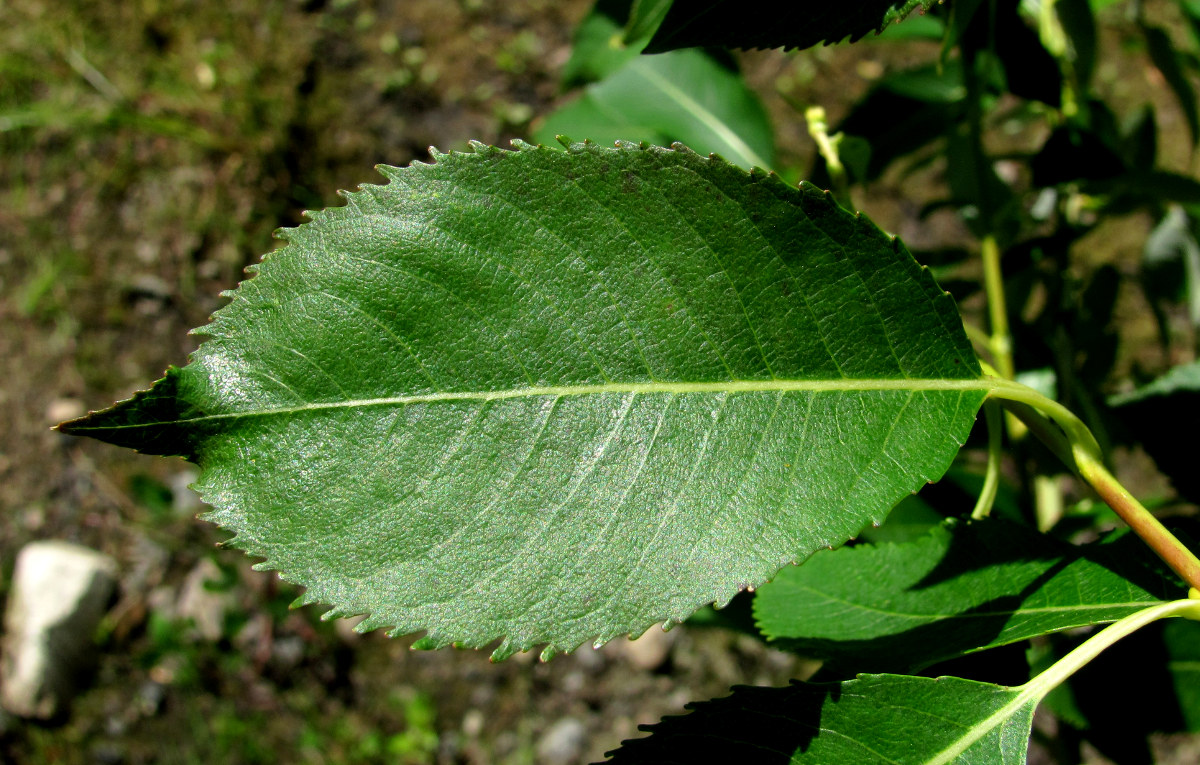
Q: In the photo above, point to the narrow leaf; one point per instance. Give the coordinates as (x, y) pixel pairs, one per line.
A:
(891, 719)
(962, 588)
(645, 18)
(1182, 379)
(1153, 415)
(1166, 59)
(544, 397)
(598, 48)
(686, 96)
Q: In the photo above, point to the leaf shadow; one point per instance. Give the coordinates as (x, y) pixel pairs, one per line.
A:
(752, 724)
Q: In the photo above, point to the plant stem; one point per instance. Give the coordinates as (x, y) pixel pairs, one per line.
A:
(991, 479)
(1171, 550)
(1039, 686)
(1081, 452)
(1000, 342)
(1048, 501)
(1036, 689)
(827, 145)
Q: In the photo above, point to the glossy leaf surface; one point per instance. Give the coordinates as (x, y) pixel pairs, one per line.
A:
(545, 396)
(902, 607)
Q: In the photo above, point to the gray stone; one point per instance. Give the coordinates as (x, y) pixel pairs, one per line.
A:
(203, 604)
(649, 651)
(185, 501)
(59, 593)
(563, 743)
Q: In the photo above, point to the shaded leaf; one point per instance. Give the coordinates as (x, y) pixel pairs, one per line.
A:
(645, 19)
(598, 48)
(1079, 23)
(686, 96)
(546, 396)
(1153, 415)
(740, 23)
(1182, 640)
(1183, 379)
(890, 719)
(1163, 54)
(894, 123)
(962, 588)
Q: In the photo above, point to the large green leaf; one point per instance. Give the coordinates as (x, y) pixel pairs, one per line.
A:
(549, 396)
(891, 719)
(686, 96)
(774, 23)
(963, 588)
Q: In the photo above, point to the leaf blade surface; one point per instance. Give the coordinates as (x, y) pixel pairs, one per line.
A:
(549, 397)
(903, 607)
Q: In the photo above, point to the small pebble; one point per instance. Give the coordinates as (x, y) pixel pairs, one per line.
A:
(563, 743)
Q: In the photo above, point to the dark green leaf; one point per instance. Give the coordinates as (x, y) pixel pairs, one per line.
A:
(1182, 640)
(902, 607)
(875, 719)
(1183, 379)
(1162, 53)
(598, 48)
(1079, 24)
(911, 519)
(894, 126)
(546, 396)
(740, 23)
(645, 19)
(686, 96)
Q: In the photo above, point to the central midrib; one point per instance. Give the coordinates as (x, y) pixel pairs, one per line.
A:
(984, 384)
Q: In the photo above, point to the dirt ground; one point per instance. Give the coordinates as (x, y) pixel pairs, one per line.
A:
(147, 151)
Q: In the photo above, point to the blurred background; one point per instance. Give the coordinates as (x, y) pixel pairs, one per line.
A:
(147, 151)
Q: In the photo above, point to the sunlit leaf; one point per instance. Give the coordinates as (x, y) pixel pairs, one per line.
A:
(543, 396)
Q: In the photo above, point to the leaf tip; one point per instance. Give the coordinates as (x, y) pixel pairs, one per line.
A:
(502, 652)
(425, 643)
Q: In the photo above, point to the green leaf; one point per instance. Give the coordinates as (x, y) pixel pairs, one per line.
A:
(740, 23)
(1182, 640)
(598, 48)
(1079, 23)
(890, 719)
(1153, 415)
(685, 96)
(962, 588)
(545, 396)
(1166, 59)
(645, 18)
(1184, 378)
